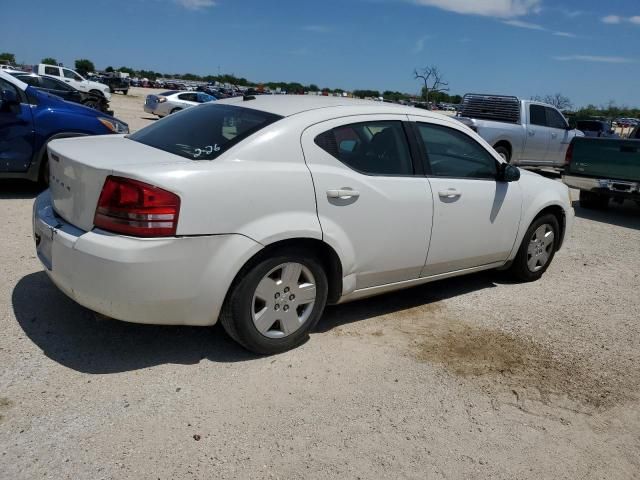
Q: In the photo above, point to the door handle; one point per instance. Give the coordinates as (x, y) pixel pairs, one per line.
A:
(554, 135)
(450, 193)
(532, 133)
(343, 193)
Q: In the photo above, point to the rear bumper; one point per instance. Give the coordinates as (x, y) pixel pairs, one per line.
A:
(623, 188)
(149, 109)
(169, 281)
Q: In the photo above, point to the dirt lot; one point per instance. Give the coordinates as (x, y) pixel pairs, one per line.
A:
(473, 377)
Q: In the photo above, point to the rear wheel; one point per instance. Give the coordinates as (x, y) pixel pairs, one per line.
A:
(125, 92)
(276, 303)
(537, 249)
(593, 200)
(174, 110)
(503, 152)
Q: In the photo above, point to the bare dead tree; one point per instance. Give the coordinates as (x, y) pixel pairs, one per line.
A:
(432, 79)
(557, 100)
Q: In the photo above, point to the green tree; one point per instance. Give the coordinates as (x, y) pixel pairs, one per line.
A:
(84, 66)
(109, 69)
(8, 57)
(49, 61)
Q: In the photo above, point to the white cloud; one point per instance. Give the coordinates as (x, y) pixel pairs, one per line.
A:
(521, 24)
(612, 19)
(565, 34)
(594, 58)
(196, 4)
(617, 19)
(488, 8)
(317, 28)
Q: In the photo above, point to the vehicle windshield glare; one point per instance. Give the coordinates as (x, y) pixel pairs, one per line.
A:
(204, 132)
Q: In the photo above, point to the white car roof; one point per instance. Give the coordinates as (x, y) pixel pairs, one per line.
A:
(287, 105)
(13, 80)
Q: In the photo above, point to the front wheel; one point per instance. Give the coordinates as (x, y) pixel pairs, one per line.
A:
(276, 303)
(537, 250)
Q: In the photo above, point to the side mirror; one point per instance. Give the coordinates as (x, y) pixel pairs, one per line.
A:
(8, 100)
(508, 173)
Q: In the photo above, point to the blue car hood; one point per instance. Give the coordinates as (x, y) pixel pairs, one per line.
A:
(49, 100)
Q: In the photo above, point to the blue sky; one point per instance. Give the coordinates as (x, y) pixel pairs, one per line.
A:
(586, 49)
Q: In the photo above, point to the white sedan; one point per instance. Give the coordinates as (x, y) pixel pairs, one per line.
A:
(173, 101)
(259, 211)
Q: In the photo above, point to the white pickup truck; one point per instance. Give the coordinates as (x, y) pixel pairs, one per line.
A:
(74, 79)
(523, 132)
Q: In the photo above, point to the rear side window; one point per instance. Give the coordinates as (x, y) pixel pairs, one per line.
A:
(204, 132)
(373, 148)
(189, 97)
(537, 115)
(55, 71)
(454, 154)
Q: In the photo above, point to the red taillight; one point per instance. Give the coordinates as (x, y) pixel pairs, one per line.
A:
(569, 155)
(135, 208)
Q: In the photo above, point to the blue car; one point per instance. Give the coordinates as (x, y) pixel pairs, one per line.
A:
(30, 118)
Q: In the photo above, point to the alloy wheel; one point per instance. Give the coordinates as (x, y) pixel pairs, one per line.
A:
(540, 247)
(283, 300)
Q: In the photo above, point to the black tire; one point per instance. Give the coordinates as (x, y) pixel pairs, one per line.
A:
(174, 110)
(503, 152)
(97, 92)
(236, 316)
(125, 92)
(592, 200)
(520, 268)
(43, 176)
(95, 104)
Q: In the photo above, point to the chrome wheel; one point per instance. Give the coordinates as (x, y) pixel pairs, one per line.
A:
(540, 247)
(283, 300)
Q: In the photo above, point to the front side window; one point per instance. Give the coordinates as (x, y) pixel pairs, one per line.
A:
(55, 71)
(555, 119)
(205, 132)
(72, 75)
(51, 84)
(452, 153)
(537, 115)
(373, 148)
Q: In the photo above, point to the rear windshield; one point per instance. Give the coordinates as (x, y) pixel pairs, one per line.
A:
(166, 94)
(204, 132)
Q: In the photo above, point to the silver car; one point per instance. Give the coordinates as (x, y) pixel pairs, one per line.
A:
(173, 101)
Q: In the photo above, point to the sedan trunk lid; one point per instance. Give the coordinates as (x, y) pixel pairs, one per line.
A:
(79, 167)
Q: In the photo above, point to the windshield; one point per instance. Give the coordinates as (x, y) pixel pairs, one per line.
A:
(204, 132)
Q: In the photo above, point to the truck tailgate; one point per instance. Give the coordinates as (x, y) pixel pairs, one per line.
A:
(606, 158)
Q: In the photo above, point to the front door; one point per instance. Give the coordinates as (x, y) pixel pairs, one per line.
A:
(371, 200)
(475, 217)
(16, 133)
(560, 137)
(537, 136)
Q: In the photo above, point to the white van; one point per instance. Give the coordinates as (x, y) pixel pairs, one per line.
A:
(74, 79)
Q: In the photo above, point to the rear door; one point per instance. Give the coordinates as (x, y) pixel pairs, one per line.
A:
(16, 133)
(538, 136)
(372, 202)
(559, 137)
(475, 217)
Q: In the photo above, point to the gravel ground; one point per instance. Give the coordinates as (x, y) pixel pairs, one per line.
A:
(474, 377)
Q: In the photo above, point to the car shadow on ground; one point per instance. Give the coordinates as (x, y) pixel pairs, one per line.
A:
(626, 215)
(429, 293)
(18, 189)
(75, 337)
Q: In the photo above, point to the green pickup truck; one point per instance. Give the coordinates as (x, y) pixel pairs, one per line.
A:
(603, 169)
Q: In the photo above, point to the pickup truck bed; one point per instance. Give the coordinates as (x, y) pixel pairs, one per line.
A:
(603, 169)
